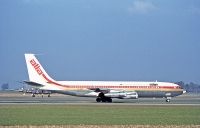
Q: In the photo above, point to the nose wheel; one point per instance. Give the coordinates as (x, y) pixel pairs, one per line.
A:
(168, 99)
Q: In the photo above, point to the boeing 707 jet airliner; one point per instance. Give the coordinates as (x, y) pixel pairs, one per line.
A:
(103, 91)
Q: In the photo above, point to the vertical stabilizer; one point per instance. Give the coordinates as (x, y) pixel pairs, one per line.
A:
(36, 72)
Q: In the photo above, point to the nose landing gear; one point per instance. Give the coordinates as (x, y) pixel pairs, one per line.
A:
(168, 99)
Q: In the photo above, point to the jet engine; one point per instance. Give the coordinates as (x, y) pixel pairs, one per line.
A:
(122, 95)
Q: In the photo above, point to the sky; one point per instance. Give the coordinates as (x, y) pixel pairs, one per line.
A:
(129, 40)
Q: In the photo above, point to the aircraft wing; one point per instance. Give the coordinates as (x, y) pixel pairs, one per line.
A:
(106, 90)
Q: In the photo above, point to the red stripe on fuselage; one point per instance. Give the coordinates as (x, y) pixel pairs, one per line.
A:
(52, 82)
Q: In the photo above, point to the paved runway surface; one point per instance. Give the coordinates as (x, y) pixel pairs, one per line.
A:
(19, 98)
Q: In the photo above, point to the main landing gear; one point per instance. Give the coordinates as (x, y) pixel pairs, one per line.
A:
(105, 99)
(168, 99)
(102, 98)
(33, 95)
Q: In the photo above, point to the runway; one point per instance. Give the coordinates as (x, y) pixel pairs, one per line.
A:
(19, 98)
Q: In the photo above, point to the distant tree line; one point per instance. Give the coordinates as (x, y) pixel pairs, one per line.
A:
(189, 87)
(5, 86)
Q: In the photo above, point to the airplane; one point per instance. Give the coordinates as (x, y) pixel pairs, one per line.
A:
(103, 91)
(34, 91)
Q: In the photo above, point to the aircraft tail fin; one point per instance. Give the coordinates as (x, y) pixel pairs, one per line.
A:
(36, 72)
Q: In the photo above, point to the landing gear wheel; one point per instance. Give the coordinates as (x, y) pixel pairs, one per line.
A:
(109, 100)
(102, 98)
(168, 99)
(33, 95)
(98, 99)
(49, 95)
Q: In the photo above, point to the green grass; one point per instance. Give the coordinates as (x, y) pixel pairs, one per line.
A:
(98, 114)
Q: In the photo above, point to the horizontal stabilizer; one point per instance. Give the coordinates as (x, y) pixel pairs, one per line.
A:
(33, 84)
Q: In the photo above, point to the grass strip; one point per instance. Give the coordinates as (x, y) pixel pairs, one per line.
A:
(98, 115)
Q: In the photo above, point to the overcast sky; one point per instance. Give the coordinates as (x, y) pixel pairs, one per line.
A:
(131, 40)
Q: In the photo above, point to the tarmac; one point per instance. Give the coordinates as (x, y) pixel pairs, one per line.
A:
(20, 98)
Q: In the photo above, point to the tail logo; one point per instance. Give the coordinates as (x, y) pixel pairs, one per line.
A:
(36, 67)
